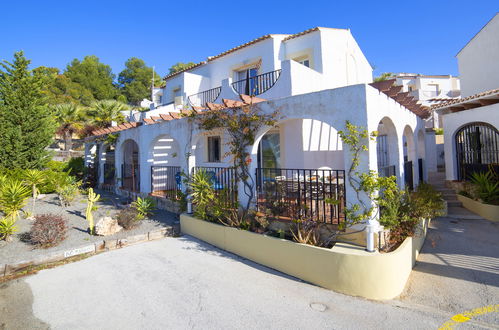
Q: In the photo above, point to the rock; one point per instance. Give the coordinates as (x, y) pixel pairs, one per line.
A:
(41, 196)
(107, 226)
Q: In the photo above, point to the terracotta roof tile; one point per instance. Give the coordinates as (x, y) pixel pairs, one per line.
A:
(465, 99)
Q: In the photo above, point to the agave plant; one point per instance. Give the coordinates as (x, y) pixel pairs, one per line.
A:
(202, 192)
(487, 187)
(34, 178)
(13, 197)
(7, 227)
(144, 207)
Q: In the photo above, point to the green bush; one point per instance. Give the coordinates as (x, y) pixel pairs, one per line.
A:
(487, 187)
(7, 227)
(13, 197)
(144, 207)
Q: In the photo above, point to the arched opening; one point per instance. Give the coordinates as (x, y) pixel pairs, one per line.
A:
(108, 157)
(477, 149)
(409, 149)
(131, 167)
(387, 148)
(165, 160)
(421, 155)
(300, 166)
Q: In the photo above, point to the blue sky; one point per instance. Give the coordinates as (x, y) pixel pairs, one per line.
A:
(398, 36)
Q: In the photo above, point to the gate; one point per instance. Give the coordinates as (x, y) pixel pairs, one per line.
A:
(408, 175)
(477, 149)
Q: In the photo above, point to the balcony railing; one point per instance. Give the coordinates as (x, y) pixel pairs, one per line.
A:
(200, 99)
(302, 193)
(258, 84)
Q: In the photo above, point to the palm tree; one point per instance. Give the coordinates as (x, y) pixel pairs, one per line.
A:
(33, 179)
(70, 119)
(104, 113)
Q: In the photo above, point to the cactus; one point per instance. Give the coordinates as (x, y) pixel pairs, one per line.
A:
(92, 198)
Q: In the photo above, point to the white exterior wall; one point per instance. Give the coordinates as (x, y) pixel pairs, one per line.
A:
(454, 121)
(478, 60)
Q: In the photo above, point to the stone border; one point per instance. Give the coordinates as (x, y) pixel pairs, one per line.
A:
(100, 246)
(345, 268)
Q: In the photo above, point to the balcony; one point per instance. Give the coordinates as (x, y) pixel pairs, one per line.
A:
(208, 96)
(258, 84)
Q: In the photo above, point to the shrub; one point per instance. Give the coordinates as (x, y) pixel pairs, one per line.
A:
(487, 187)
(7, 227)
(306, 231)
(13, 197)
(202, 193)
(48, 230)
(144, 207)
(128, 218)
(76, 167)
(68, 192)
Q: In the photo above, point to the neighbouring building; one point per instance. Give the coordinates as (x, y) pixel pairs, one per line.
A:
(317, 79)
(471, 138)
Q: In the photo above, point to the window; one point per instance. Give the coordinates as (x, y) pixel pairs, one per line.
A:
(247, 85)
(305, 62)
(214, 149)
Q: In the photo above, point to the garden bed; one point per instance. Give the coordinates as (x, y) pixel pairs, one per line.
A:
(344, 268)
(487, 211)
(20, 249)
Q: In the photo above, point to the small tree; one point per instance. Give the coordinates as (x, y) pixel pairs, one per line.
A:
(34, 178)
(26, 123)
(70, 118)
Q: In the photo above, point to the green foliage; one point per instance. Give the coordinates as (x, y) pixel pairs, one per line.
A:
(427, 203)
(13, 197)
(306, 231)
(94, 76)
(70, 118)
(68, 191)
(136, 80)
(26, 123)
(91, 199)
(487, 187)
(179, 66)
(439, 131)
(384, 76)
(7, 227)
(144, 207)
(104, 112)
(202, 193)
(34, 178)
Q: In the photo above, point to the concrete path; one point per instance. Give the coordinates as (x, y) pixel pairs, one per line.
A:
(458, 269)
(180, 283)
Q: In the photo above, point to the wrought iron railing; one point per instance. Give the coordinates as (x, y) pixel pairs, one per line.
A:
(130, 174)
(258, 84)
(166, 181)
(109, 173)
(302, 193)
(200, 99)
(223, 181)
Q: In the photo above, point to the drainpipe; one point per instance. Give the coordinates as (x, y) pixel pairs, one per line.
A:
(372, 227)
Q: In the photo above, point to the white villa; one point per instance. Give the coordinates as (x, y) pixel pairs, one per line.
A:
(471, 137)
(317, 79)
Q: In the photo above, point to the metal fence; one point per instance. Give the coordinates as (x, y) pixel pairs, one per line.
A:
(297, 193)
(166, 181)
(258, 84)
(387, 171)
(223, 181)
(130, 174)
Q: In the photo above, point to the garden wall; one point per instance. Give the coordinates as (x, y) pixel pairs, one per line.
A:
(487, 211)
(345, 268)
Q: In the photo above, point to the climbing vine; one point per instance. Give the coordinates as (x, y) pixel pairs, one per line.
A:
(241, 125)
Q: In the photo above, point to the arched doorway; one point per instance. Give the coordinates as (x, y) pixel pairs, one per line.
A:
(300, 165)
(131, 167)
(387, 148)
(164, 157)
(409, 157)
(477, 149)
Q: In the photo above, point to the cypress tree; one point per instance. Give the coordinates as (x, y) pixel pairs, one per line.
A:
(26, 123)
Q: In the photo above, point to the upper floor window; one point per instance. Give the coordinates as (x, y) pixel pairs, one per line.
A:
(214, 149)
(303, 60)
(247, 73)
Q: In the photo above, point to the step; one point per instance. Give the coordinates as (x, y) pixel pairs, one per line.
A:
(455, 203)
(462, 213)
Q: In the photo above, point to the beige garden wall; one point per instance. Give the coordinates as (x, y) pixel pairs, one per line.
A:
(487, 211)
(344, 268)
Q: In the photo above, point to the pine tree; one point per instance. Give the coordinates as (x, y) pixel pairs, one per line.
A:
(26, 123)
